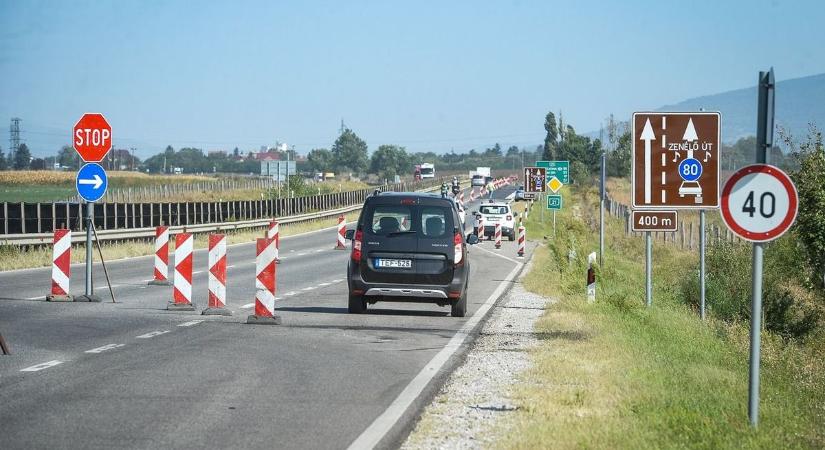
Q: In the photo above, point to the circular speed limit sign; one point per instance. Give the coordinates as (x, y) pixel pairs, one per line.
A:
(759, 202)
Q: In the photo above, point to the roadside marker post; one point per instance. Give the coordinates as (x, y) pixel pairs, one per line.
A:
(480, 229)
(521, 241)
(274, 232)
(648, 269)
(342, 229)
(498, 235)
(702, 264)
(217, 277)
(591, 278)
(161, 257)
(182, 295)
(61, 266)
(265, 282)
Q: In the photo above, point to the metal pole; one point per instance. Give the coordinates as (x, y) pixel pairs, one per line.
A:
(601, 212)
(90, 214)
(702, 263)
(764, 141)
(648, 269)
(554, 223)
(756, 328)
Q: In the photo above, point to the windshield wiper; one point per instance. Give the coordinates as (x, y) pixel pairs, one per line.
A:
(396, 233)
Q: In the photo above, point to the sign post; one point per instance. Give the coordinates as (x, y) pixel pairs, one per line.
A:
(675, 165)
(92, 139)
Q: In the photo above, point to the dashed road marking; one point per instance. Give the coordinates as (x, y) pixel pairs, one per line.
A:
(231, 266)
(319, 250)
(153, 334)
(35, 298)
(41, 366)
(104, 348)
(247, 306)
(308, 288)
(324, 284)
(277, 298)
(197, 272)
(290, 294)
(190, 323)
(302, 254)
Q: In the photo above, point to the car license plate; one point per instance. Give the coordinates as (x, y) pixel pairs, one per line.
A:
(393, 263)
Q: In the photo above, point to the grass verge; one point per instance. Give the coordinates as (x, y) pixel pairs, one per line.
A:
(12, 257)
(615, 374)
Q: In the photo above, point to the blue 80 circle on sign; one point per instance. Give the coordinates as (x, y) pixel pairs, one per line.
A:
(690, 169)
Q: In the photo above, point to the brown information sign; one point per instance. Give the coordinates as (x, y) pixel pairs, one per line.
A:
(675, 160)
(654, 220)
(535, 179)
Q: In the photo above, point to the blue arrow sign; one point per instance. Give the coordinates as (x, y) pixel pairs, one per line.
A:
(91, 182)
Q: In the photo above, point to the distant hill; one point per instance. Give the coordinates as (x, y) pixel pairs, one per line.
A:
(798, 102)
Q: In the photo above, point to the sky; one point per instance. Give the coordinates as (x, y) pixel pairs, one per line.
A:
(431, 76)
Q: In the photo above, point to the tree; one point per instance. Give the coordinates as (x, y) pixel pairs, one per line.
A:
(320, 160)
(810, 185)
(67, 157)
(37, 164)
(3, 162)
(513, 151)
(551, 139)
(22, 157)
(618, 161)
(390, 160)
(350, 152)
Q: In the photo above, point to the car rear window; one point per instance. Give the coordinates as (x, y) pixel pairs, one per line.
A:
(493, 209)
(426, 221)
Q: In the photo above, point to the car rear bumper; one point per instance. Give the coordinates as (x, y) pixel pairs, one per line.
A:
(442, 294)
(490, 230)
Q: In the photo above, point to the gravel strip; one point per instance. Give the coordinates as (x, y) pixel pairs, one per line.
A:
(464, 414)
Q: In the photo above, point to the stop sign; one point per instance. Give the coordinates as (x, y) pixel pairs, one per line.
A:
(92, 137)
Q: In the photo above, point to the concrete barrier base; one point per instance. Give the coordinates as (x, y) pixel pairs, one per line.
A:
(159, 283)
(216, 312)
(255, 320)
(59, 298)
(180, 307)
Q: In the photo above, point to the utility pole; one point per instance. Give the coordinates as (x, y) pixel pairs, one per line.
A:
(14, 136)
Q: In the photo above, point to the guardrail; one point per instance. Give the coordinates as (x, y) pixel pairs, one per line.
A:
(311, 208)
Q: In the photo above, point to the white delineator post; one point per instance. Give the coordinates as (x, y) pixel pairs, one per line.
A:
(521, 233)
(342, 227)
(274, 233)
(498, 235)
(183, 274)
(217, 277)
(61, 266)
(265, 282)
(161, 257)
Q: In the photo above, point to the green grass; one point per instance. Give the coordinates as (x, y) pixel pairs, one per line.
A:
(35, 193)
(615, 374)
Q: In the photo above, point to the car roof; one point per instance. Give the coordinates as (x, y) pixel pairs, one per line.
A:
(421, 198)
(494, 204)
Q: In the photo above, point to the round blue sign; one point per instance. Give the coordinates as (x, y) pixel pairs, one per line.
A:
(690, 169)
(91, 182)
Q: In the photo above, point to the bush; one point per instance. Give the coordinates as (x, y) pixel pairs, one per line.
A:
(790, 309)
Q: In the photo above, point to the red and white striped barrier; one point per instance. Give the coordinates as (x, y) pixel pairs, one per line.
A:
(480, 229)
(217, 277)
(342, 228)
(498, 235)
(182, 294)
(161, 257)
(274, 232)
(461, 197)
(61, 266)
(265, 282)
(521, 241)
(472, 194)
(483, 191)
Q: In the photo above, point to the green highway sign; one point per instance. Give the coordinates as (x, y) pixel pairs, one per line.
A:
(558, 169)
(554, 202)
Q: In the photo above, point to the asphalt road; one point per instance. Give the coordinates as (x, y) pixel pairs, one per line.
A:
(133, 375)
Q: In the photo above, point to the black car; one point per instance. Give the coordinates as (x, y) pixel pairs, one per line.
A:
(409, 247)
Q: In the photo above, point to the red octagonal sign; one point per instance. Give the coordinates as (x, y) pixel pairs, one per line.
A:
(92, 137)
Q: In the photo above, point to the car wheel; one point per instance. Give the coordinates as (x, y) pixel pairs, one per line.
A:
(459, 307)
(357, 304)
(512, 237)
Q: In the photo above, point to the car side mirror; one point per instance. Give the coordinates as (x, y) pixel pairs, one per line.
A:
(349, 234)
(472, 239)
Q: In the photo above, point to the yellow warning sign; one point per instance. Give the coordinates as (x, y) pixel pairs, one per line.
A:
(554, 184)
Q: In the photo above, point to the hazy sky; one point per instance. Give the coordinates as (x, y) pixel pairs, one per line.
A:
(427, 75)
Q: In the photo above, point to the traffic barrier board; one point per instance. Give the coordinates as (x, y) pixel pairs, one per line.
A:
(759, 202)
(92, 137)
(554, 202)
(558, 169)
(91, 182)
(535, 179)
(675, 160)
(654, 221)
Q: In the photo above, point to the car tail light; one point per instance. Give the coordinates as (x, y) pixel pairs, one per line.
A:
(458, 249)
(356, 245)
(509, 217)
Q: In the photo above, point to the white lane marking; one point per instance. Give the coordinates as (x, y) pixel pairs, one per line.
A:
(152, 334)
(104, 348)
(247, 306)
(150, 279)
(311, 287)
(322, 249)
(290, 294)
(35, 298)
(277, 298)
(41, 366)
(337, 280)
(231, 266)
(496, 254)
(304, 253)
(190, 323)
(324, 284)
(107, 287)
(382, 425)
(201, 271)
